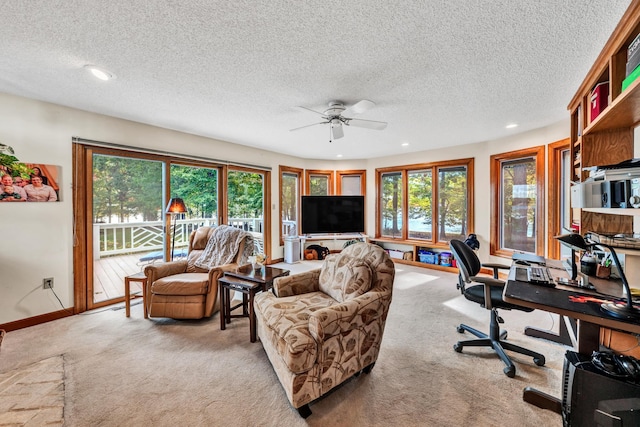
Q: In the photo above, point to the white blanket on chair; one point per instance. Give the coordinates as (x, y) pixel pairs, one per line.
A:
(223, 245)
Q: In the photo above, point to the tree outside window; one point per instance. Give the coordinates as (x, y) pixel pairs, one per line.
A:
(319, 186)
(517, 222)
(452, 203)
(420, 207)
(290, 189)
(438, 194)
(391, 204)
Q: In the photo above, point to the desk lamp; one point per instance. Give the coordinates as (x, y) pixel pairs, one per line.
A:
(174, 208)
(575, 242)
(622, 311)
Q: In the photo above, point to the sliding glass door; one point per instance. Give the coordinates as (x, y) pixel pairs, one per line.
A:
(198, 188)
(246, 204)
(120, 219)
(127, 221)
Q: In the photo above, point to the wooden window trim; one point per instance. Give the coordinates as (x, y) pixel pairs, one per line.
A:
(495, 172)
(266, 191)
(555, 192)
(434, 167)
(281, 171)
(362, 173)
(314, 172)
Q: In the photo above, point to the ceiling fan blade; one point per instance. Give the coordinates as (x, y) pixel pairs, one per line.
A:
(313, 111)
(306, 126)
(336, 131)
(358, 107)
(369, 124)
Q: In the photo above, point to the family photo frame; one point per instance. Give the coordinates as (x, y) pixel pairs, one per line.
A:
(28, 182)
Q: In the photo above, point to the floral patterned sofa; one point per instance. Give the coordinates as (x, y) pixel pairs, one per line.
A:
(321, 327)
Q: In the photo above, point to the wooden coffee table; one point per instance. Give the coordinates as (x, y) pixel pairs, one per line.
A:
(248, 282)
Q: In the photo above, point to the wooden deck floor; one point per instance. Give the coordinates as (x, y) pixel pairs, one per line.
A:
(109, 274)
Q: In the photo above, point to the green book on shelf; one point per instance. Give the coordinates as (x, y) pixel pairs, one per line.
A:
(630, 78)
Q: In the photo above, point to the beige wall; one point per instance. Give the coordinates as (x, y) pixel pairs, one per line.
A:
(36, 240)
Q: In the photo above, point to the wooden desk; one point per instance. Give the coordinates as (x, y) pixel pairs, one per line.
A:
(577, 303)
(142, 279)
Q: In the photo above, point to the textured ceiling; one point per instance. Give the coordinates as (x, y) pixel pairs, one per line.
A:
(441, 73)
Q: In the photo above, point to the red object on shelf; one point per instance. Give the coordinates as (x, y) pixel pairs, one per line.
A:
(599, 99)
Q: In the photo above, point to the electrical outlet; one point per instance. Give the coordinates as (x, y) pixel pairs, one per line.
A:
(47, 283)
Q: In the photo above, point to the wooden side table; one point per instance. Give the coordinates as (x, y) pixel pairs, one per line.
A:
(248, 290)
(248, 282)
(142, 279)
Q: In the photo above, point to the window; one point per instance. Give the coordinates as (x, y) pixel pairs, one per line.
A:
(420, 209)
(391, 186)
(290, 191)
(452, 203)
(438, 205)
(246, 201)
(517, 210)
(120, 200)
(351, 183)
(559, 172)
(319, 183)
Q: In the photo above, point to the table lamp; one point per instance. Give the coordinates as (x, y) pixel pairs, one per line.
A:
(174, 207)
(623, 311)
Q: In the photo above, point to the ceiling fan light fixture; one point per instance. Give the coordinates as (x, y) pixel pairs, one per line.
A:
(100, 73)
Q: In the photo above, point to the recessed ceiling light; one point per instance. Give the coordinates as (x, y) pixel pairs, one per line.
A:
(100, 73)
(511, 126)
(339, 155)
(405, 144)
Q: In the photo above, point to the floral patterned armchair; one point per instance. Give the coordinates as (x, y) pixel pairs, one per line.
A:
(321, 327)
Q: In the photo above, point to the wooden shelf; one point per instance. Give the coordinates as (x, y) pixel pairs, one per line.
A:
(614, 211)
(623, 112)
(414, 246)
(425, 265)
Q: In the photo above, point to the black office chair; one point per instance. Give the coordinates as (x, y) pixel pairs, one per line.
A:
(488, 293)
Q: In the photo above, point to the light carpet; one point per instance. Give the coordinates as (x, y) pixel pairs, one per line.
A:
(130, 371)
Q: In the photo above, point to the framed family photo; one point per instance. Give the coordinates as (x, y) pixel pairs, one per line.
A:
(29, 182)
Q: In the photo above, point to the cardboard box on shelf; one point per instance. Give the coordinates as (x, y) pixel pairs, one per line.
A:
(633, 55)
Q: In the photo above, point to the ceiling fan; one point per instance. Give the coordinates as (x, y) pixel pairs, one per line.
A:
(337, 115)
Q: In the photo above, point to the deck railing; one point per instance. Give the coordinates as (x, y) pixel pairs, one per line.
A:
(132, 237)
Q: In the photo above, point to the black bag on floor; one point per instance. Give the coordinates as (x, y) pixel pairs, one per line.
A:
(320, 250)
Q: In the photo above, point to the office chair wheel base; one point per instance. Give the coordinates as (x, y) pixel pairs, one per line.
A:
(540, 361)
(510, 371)
(460, 330)
(457, 347)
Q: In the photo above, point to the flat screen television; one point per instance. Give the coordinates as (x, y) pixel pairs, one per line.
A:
(332, 214)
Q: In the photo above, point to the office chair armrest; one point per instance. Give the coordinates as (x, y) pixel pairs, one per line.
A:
(493, 265)
(496, 267)
(488, 282)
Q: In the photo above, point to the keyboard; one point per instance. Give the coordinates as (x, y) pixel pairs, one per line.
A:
(536, 275)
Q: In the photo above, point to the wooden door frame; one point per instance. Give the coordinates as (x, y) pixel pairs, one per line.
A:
(554, 165)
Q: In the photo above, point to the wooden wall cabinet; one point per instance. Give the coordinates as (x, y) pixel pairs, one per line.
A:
(608, 138)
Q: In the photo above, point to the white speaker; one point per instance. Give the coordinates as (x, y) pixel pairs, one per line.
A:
(291, 249)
